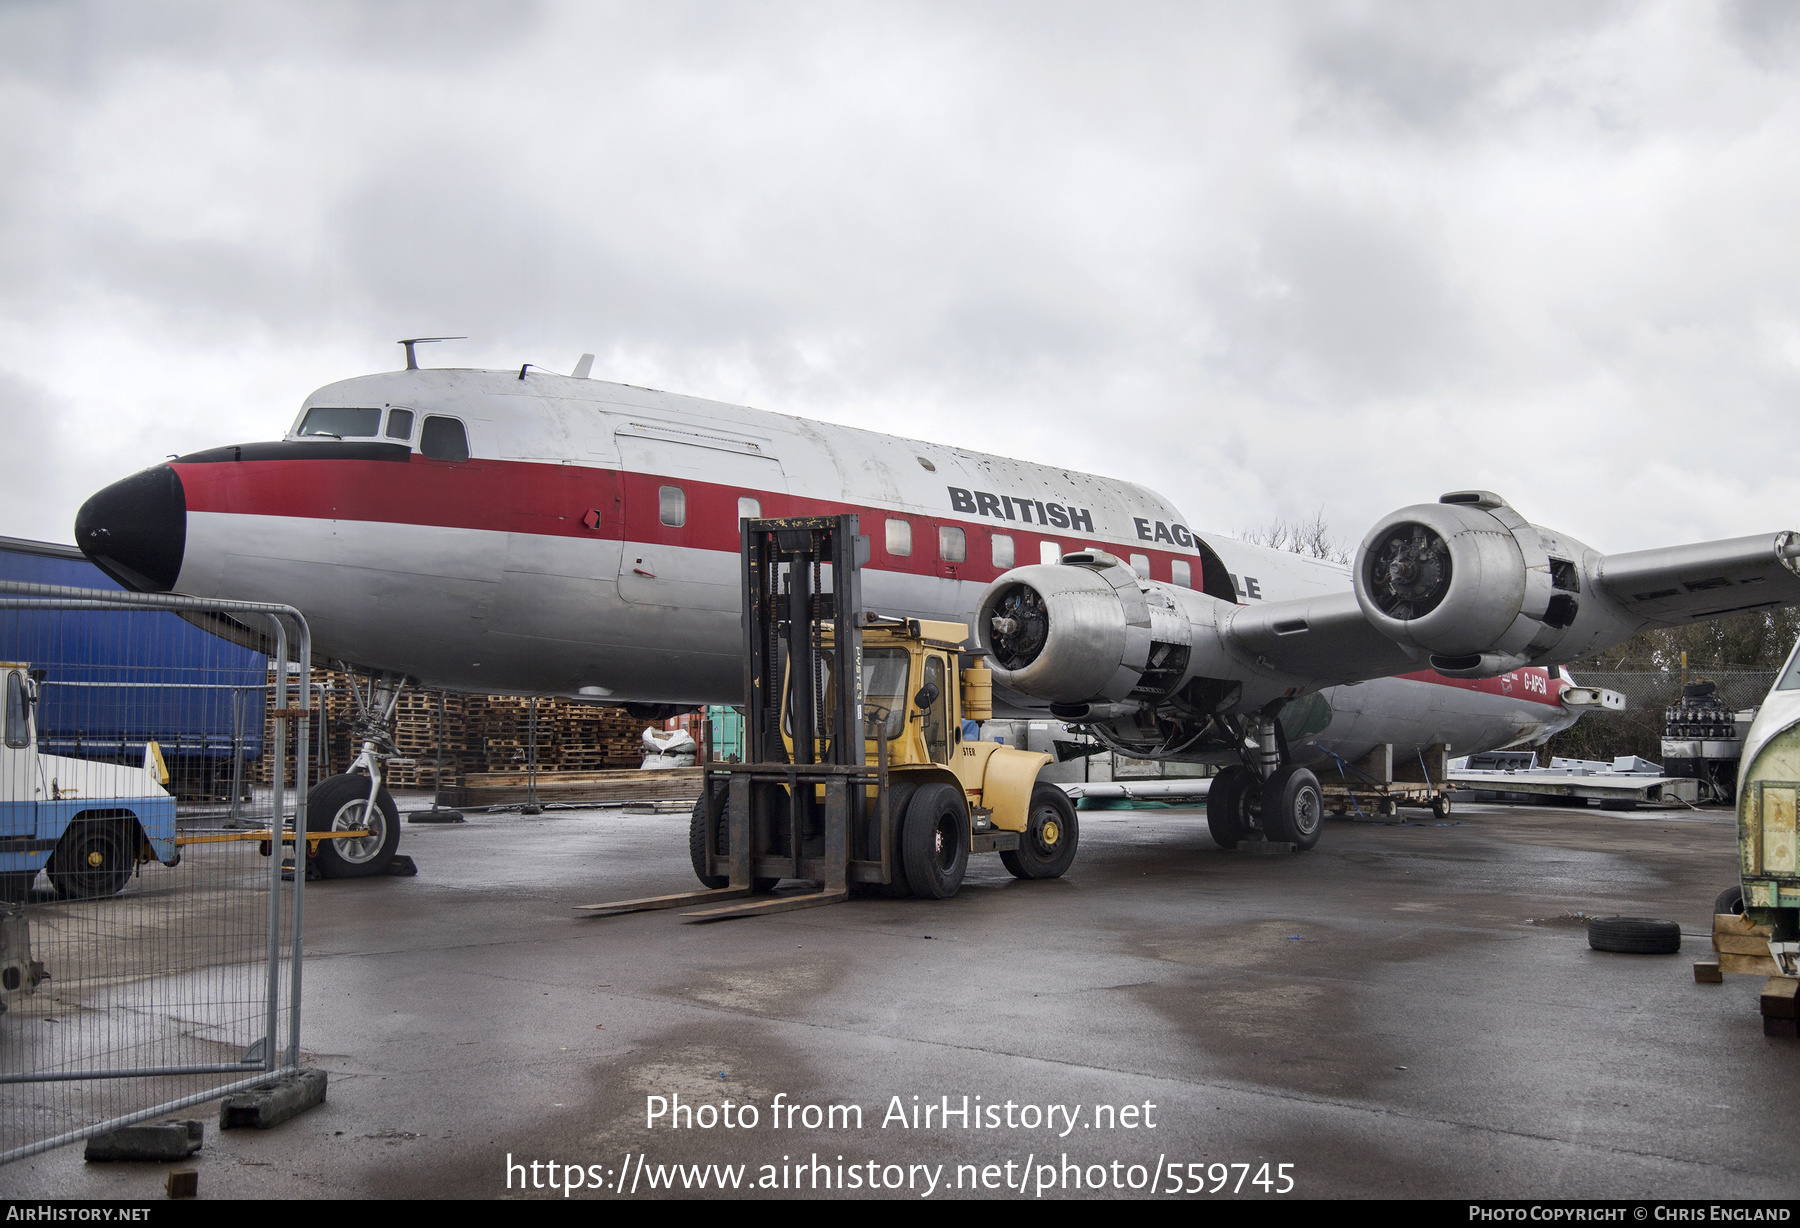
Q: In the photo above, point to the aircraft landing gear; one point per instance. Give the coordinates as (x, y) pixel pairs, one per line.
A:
(352, 801)
(1261, 799)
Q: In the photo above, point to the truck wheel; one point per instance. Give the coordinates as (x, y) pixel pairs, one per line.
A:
(1293, 807)
(1225, 817)
(94, 858)
(1047, 845)
(935, 841)
(336, 804)
(697, 847)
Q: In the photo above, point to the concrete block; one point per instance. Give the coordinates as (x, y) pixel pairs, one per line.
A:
(269, 1104)
(184, 1183)
(161, 1140)
(1707, 972)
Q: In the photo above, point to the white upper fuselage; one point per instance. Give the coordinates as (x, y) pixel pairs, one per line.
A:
(588, 545)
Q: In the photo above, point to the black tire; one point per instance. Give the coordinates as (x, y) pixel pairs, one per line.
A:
(1387, 808)
(1293, 807)
(697, 847)
(95, 858)
(1730, 900)
(899, 798)
(935, 841)
(1441, 806)
(1047, 845)
(1634, 935)
(1225, 817)
(336, 804)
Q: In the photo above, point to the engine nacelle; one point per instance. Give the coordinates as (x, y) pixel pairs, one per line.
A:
(1469, 585)
(1088, 632)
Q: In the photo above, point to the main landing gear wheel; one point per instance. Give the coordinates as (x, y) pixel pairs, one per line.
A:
(1226, 803)
(1047, 846)
(336, 804)
(697, 846)
(936, 841)
(94, 858)
(1293, 807)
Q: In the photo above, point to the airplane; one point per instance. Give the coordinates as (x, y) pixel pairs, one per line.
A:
(524, 532)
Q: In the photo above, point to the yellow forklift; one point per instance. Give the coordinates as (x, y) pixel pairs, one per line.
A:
(860, 776)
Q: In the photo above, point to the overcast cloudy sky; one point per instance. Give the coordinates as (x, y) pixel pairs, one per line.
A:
(1266, 259)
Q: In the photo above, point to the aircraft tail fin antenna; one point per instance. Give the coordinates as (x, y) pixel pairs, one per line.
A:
(584, 366)
(412, 359)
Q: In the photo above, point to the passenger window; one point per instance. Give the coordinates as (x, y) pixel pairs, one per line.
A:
(334, 422)
(18, 729)
(400, 424)
(749, 509)
(1181, 573)
(1140, 563)
(671, 506)
(953, 547)
(1049, 552)
(1003, 552)
(899, 538)
(443, 439)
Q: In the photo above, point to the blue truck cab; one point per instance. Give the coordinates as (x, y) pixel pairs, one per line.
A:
(89, 823)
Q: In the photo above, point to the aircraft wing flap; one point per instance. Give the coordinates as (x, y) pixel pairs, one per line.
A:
(1676, 585)
(1324, 638)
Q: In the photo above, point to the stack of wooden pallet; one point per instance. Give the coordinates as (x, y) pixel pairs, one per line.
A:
(503, 788)
(1743, 947)
(480, 734)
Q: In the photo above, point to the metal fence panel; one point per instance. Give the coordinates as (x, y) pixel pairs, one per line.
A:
(151, 950)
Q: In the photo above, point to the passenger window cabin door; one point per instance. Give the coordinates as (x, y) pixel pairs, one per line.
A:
(681, 504)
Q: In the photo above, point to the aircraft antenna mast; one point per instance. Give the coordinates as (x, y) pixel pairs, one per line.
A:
(412, 360)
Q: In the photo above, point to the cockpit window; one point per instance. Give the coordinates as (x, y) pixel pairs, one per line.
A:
(444, 439)
(335, 422)
(400, 424)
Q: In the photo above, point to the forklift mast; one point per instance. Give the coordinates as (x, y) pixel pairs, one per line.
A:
(802, 574)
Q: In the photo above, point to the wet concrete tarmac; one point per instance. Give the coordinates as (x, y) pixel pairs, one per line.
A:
(1388, 1015)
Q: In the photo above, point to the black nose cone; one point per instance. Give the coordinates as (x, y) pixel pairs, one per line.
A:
(136, 530)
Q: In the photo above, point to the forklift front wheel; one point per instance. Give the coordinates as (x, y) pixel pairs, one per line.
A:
(936, 841)
(697, 846)
(1047, 847)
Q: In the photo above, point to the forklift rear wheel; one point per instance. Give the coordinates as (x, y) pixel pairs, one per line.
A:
(94, 858)
(697, 847)
(1047, 846)
(1293, 807)
(936, 841)
(336, 804)
(1225, 799)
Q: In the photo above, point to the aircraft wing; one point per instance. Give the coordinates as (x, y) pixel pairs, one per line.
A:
(1327, 638)
(1677, 585)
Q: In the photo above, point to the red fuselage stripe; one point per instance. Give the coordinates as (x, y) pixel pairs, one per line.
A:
(553, 500)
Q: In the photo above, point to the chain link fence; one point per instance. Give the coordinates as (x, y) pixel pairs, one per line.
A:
(149, 939)
(1639, 729)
